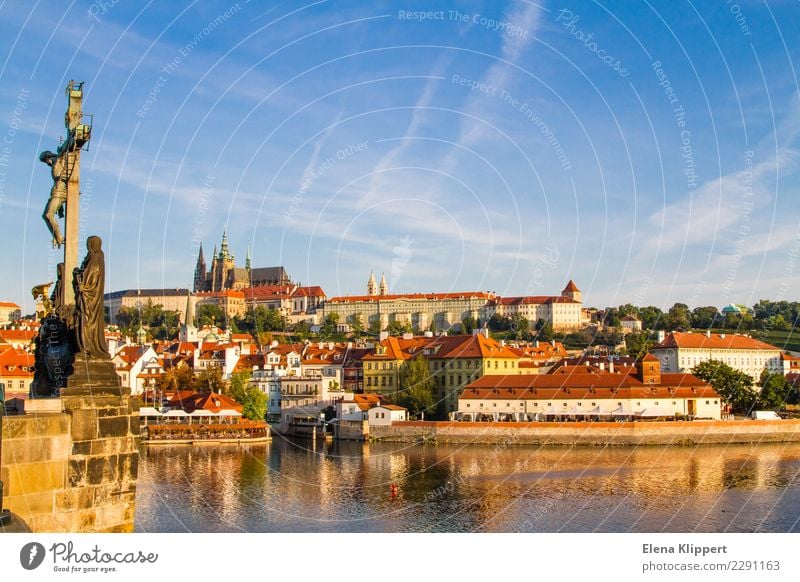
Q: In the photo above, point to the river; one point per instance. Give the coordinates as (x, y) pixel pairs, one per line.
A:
(290, 486)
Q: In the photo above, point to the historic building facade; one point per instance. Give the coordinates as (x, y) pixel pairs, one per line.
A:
(442, 311)
(225, 275)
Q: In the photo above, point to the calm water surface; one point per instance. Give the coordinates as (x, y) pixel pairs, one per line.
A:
(288, 486)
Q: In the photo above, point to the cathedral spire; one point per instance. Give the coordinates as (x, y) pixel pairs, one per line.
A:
(384, 288)
(247, 260)
(372, 287)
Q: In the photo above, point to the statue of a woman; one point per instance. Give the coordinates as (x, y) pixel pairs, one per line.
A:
(90, 309)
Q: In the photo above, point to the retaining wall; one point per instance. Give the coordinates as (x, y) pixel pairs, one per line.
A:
(592, 433)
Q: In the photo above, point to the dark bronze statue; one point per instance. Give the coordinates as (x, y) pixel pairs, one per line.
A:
(58, 193)
(89, 309)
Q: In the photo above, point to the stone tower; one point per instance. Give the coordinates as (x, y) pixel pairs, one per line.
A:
(200, 272)
(222, 263)
(372, 286)
(572, 291)
(384, 288)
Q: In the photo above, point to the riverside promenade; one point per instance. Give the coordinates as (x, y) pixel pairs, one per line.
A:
(592, 433)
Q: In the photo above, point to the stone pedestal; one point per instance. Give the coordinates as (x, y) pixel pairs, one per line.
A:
(76, 471)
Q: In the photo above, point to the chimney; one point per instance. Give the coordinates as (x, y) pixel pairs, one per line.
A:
(408, 336)
(330, 345)
(383, 335)
(321, 345)
(428, 334)
(611, 366)
(708, 333)
(660, 335)
(536, 344)
(602, 366)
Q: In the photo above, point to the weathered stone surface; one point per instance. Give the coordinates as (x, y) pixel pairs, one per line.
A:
(84, 425)
(72, 499)
(74, 471)
(29, 478)
(115, 426)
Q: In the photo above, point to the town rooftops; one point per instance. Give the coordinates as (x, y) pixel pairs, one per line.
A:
(9, 305)
(718, 341)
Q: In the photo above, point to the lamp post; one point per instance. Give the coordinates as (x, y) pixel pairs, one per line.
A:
(5, 515)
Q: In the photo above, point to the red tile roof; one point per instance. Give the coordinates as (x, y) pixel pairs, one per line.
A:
(571, 286)
(16, 363)
(9, 304)
(717, 341)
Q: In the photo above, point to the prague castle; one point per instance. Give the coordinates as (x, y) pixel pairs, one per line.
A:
(224, 275)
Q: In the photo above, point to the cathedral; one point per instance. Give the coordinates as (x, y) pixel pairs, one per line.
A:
(225, 275)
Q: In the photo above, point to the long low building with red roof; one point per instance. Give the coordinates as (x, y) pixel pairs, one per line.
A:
(642, 392)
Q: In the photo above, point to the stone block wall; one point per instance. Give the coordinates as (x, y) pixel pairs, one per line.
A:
(73, 471)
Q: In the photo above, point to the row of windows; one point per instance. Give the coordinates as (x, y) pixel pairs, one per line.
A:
(536, 404)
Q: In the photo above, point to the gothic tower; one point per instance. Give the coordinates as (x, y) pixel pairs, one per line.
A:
(384, 288)
(372, 287)
(200, 272)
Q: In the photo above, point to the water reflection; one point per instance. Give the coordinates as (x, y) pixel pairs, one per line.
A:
(294, 486)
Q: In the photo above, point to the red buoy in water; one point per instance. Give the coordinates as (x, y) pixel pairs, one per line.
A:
(393, 489)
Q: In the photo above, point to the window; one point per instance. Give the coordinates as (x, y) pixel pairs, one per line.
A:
(467, 405)
(707, 402)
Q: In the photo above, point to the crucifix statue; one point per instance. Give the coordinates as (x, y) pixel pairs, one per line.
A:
(73, 324)
(65, 166)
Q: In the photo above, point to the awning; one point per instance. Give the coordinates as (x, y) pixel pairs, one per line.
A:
(623, 412)
(655, 411)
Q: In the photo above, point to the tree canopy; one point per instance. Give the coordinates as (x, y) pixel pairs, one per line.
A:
(735, 387)
(416, 390)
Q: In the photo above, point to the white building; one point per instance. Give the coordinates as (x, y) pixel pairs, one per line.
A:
(386, 414)
(575, 394)
(680, 352)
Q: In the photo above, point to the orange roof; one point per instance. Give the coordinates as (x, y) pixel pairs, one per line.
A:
(713, 341)
(225, 293)
(312, 291)
(571, 286)
(9, 304)
(17, 335)
(16, 363)
(650, 358)
(578, 378)
(211, 401)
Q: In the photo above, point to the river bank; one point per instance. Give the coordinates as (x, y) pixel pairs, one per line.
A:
(591, 433)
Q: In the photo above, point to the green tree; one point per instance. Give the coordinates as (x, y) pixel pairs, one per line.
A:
(637, 344)
(776, 391)
(519, 326)
(652, 317)
(544, 331)
(178, 378)
(679, 317)
(735, 387)
(375, 326)
(329, 324)
(356, 324)
(253, 400)
(210, 380)
(210, 314)
(468, 323)
(499, 323)
(399, 327)
(416, 390)
(705, 317)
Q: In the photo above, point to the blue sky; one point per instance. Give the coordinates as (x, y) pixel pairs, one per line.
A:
(649, 151)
